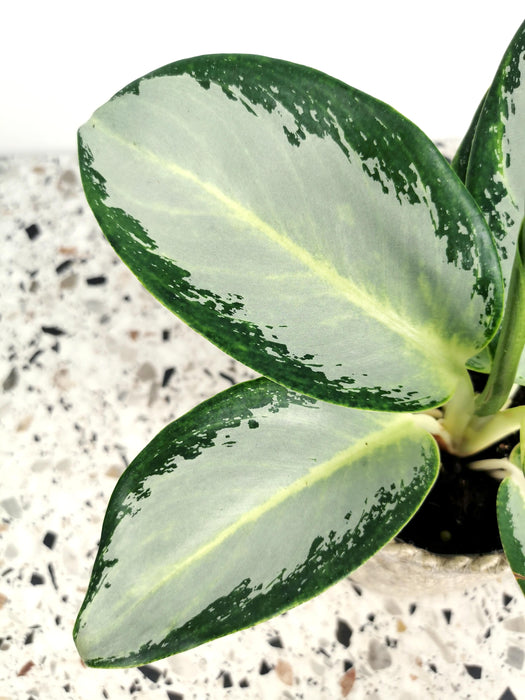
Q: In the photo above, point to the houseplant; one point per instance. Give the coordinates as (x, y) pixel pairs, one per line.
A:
(318, 236)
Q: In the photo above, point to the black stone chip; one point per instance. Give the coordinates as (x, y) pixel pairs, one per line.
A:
(33, 231)
(99, 279)
(51, 570)
(474, 671)
(226, 680)
(447, 615)
(59, 269)
(135, 687)
(35, 356)
(167, 376)
(276, 642)
(150, 672)
(227, 377)
(343, 633)
(264, 668)
(53, 330)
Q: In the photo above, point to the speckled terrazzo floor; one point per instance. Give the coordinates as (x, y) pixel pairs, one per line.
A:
(91, 367)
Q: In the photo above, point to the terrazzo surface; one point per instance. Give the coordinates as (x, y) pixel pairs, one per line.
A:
(91, 367)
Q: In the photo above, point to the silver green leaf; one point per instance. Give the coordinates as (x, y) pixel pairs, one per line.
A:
(495, 174)
(304, 227)
(253, 502)
(511, 517)
(461, 158)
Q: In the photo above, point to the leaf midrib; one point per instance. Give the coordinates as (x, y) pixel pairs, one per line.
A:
(380, 310)
(398, 428)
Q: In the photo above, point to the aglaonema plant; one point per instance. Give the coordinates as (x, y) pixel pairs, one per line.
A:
(319, 237)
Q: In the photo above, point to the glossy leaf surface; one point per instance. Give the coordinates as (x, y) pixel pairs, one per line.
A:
(510, 348)
(304, 227)
(511, 519)
(496, 162)
(461, 158)
(253, 502)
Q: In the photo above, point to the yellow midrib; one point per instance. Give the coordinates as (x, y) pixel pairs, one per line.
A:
(398, 428)
(378, 309)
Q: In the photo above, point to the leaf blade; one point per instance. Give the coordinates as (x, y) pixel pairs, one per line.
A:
(511, 522)
(494, 174)
(304, 491)
(182, 211)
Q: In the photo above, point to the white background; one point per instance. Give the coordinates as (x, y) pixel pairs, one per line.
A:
(61, 59)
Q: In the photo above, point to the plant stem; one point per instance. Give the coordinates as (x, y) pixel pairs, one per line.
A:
(458, 412)
(485, 431)
(511, 338)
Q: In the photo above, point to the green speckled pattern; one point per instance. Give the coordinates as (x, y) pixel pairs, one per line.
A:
(495, 173)
(253, 502)
(302, 226)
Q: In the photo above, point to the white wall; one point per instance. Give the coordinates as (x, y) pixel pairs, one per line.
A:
(60, 59)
